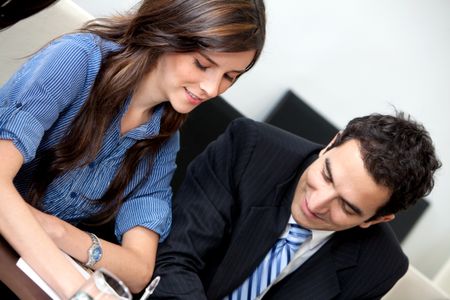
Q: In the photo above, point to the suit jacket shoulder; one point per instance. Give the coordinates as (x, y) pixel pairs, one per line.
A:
(269, 151)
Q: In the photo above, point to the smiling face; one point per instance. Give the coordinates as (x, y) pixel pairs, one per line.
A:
(189, 79)
(336, 192)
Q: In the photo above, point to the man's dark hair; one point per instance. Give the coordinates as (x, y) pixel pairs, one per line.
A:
(399, 154)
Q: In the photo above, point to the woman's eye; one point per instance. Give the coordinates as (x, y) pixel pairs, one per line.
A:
(199, 65)
(229, 78)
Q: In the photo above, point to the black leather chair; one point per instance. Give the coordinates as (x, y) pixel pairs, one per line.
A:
(293, 114)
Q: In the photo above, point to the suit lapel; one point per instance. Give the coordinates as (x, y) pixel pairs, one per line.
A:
(257, 233)
(318, 278)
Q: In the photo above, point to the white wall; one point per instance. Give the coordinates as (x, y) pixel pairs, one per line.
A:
(102, 8)
(352, 57)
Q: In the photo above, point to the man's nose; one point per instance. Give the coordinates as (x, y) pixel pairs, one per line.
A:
(320, 201)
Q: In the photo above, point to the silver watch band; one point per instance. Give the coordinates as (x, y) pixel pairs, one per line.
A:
(95, 251)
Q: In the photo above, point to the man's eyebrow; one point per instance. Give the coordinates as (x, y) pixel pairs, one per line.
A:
(356, 209)
(328, 168)
(216, 64)
(353, 207)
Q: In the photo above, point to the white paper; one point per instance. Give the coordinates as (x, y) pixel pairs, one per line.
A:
(21, 264)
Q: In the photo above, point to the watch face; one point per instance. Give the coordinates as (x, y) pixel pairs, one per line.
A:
(97, 253)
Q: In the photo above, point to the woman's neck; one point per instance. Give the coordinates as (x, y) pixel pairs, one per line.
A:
(146, 96)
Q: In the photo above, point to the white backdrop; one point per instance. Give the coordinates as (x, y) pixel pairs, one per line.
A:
(352, 57)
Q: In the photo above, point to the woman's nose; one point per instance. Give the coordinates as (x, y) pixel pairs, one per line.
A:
(211, 86)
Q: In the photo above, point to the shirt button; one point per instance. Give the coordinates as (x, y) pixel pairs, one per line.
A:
(18, 105)
(91, 165)
(73, 195)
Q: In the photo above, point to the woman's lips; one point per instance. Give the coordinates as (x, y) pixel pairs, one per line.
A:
(193, 98)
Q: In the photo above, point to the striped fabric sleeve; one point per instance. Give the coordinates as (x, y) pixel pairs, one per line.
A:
(151, 206)
(31, 101)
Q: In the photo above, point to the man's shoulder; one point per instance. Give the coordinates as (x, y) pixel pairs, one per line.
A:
(377, 243)
(381, 232)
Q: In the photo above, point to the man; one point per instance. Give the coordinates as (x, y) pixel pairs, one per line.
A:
(246, 193)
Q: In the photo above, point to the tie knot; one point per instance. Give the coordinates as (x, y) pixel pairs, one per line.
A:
(273, 263)
(297, 235)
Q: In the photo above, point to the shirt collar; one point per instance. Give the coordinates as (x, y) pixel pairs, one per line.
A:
(150, 128)
(318, 236)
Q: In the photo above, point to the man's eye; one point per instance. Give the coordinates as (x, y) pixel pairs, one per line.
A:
(325, 176)
(199, 65)
(347, 209)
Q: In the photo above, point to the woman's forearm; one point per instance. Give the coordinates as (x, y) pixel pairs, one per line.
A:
(23, 232)
(19, 227)
(133, 261)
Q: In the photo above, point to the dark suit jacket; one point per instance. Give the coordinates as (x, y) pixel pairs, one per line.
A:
(233, 205)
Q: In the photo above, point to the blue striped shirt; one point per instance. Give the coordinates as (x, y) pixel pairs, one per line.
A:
(38, 104)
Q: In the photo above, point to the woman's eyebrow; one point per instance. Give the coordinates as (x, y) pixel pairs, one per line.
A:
(216, 64)
(208, 58)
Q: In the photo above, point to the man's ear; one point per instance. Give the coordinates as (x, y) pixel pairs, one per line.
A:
(330, 143)
(381, 219)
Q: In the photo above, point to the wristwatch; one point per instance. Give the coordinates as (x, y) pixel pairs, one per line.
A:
(95, 252)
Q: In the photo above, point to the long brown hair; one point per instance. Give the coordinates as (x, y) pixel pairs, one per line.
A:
(157, 27)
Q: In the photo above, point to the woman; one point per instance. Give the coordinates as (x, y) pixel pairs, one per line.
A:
(88, 131)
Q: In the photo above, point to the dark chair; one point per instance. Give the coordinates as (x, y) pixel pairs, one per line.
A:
(294, 115)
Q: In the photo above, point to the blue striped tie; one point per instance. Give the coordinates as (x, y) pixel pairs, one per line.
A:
(274, 262)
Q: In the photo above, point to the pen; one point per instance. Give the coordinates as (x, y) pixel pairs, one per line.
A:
(150, 288)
